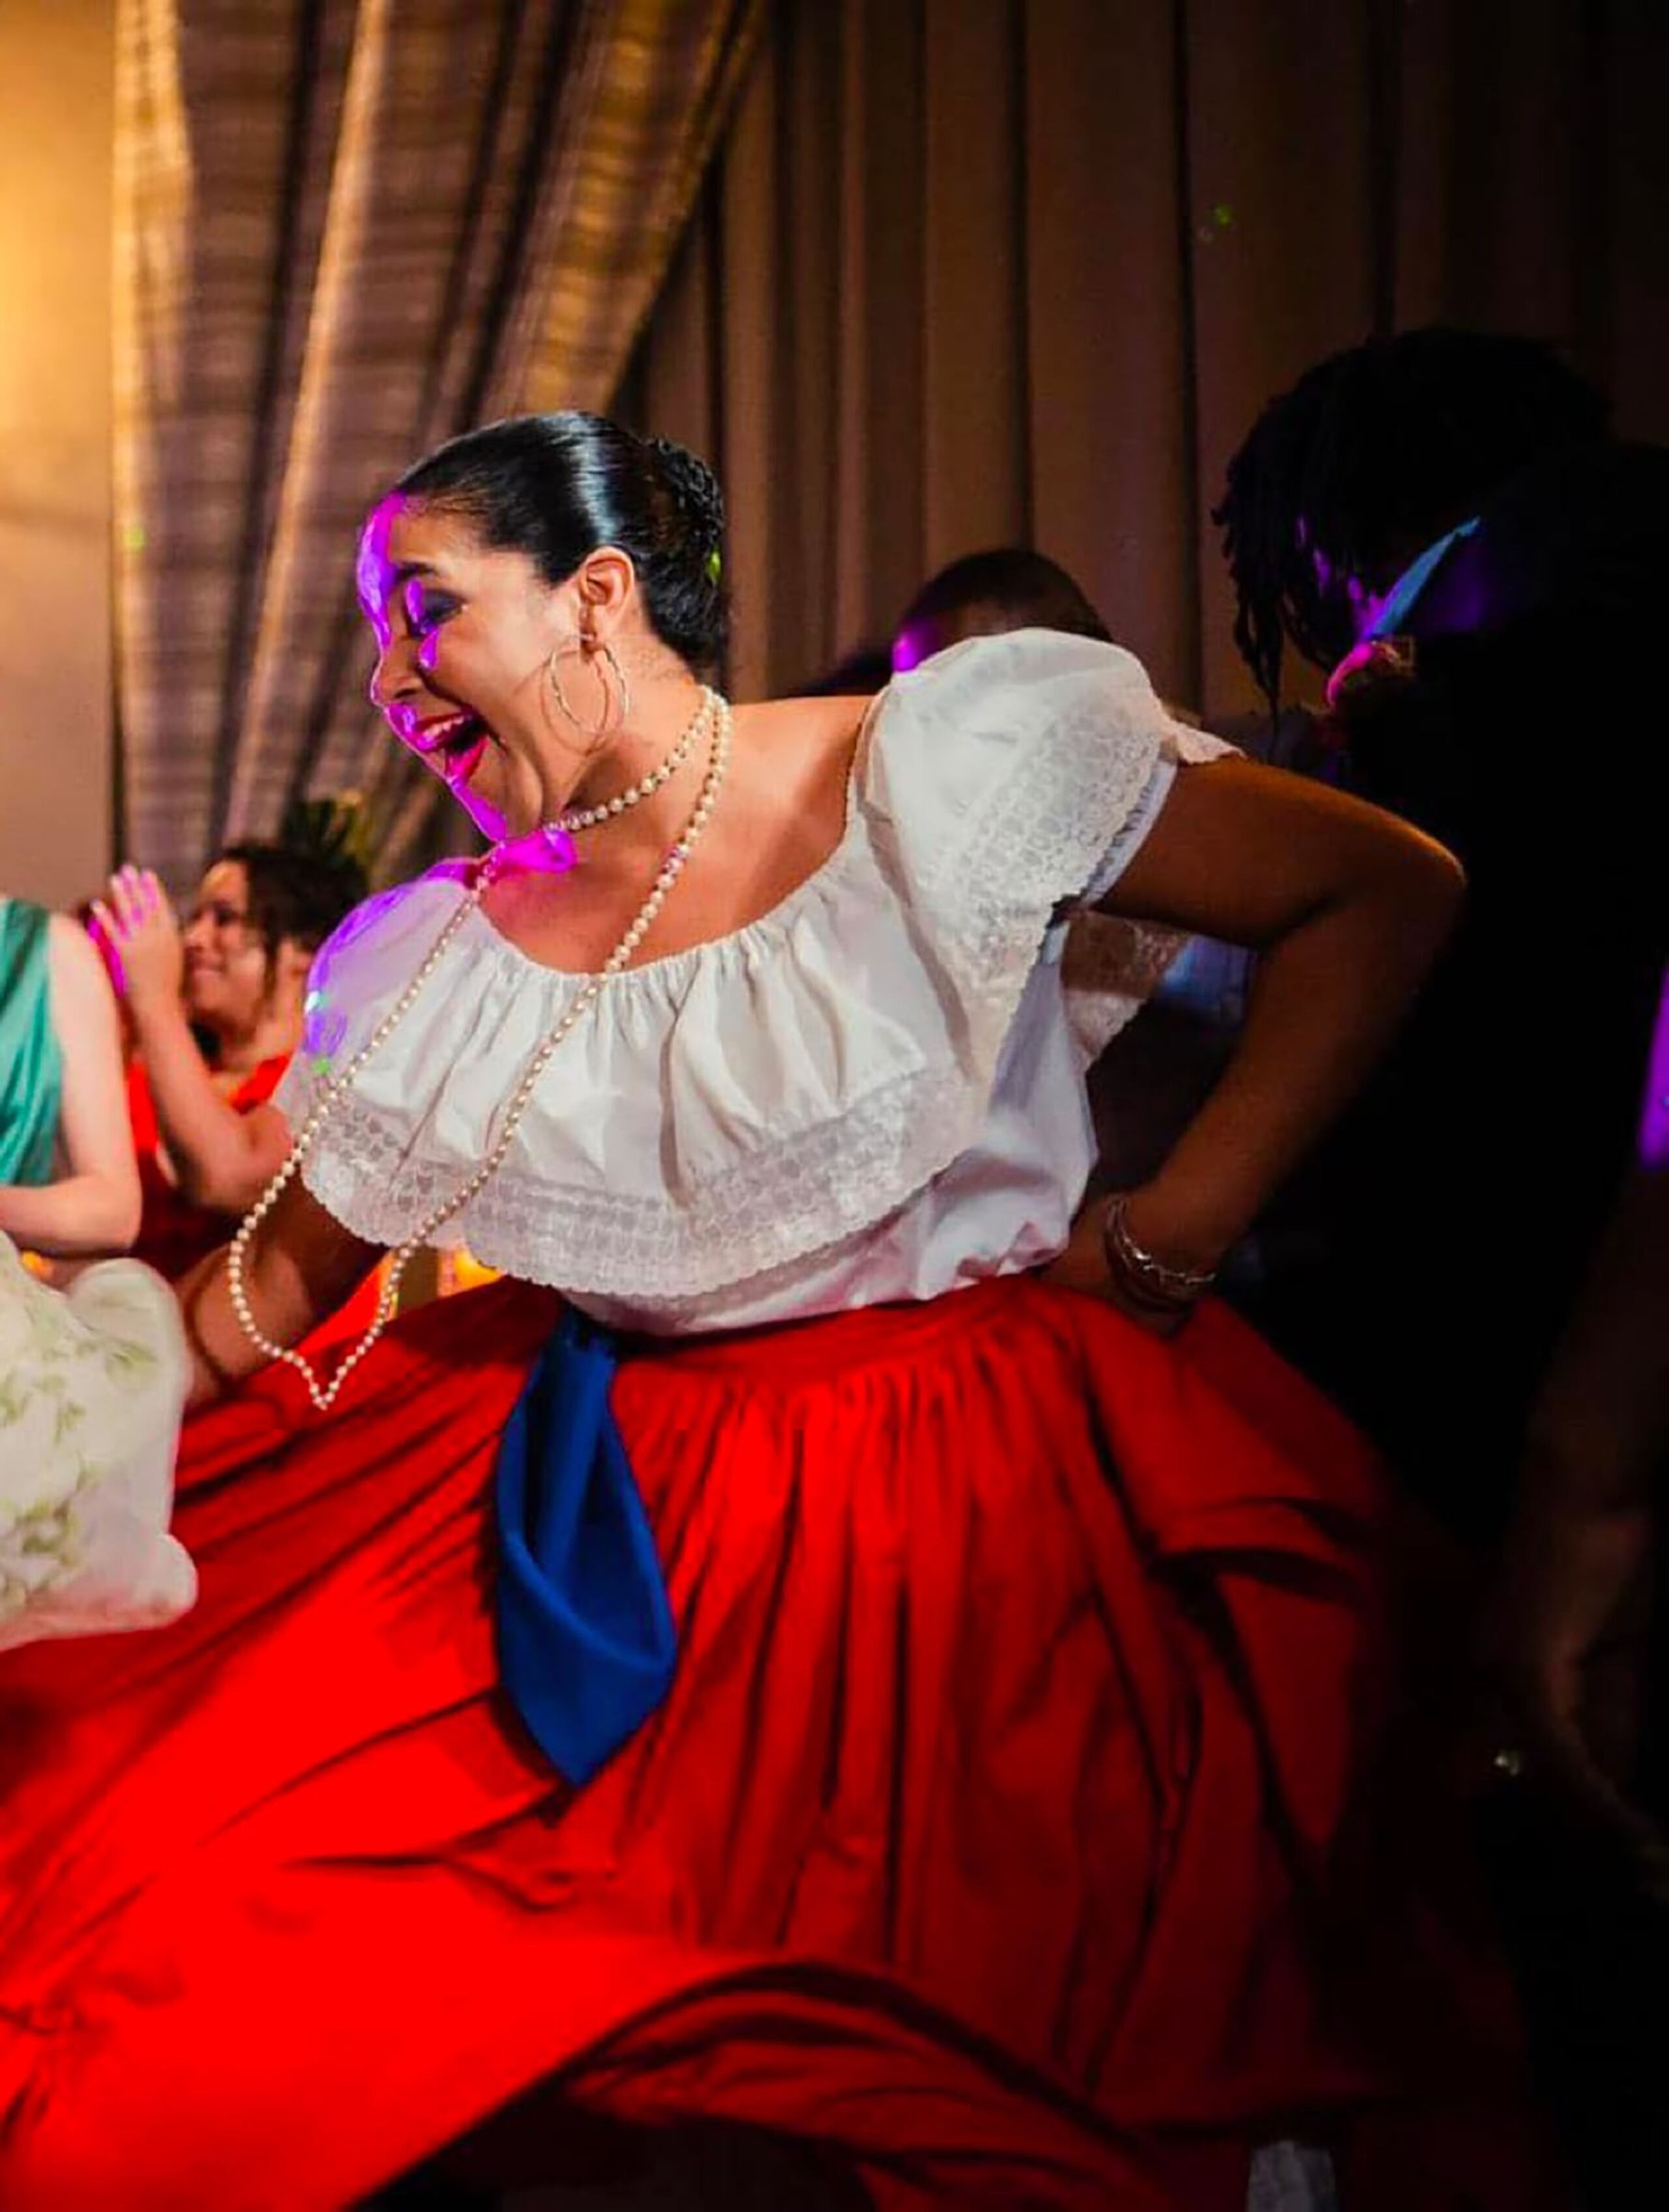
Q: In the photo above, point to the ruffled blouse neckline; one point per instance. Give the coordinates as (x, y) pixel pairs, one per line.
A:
(766, 930)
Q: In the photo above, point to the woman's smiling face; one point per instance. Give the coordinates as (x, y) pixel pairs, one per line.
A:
(463, 631)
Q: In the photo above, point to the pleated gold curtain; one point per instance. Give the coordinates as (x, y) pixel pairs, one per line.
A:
(345, 228)
(970, 271)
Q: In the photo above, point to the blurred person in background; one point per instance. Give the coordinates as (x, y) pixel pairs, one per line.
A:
(217, 1008)
(984, 594)
(1442, 520)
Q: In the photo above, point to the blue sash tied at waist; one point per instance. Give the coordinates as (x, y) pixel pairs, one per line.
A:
(586, 1641)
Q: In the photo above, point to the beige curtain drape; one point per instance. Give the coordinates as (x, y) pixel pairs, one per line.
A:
(345, 228)
(970, 271)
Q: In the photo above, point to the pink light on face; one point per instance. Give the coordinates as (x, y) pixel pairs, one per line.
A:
(1654, 1115)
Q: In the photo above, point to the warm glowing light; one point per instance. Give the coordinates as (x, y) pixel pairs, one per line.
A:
(462, 1271)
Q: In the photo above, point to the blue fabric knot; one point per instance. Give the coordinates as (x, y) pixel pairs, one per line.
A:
(1400, 599)
(585, 1638)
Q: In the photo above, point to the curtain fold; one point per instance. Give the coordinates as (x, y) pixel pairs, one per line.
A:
(346, 229)
(970, 271)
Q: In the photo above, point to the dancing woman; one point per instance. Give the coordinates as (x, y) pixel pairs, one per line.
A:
(851, 1671)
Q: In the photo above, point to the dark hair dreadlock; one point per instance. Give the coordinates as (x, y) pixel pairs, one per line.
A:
(1372, 454)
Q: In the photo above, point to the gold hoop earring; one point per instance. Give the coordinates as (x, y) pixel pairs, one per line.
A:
(615, 710)
(621, 686)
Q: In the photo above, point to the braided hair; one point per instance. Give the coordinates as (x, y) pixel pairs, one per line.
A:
(1371, 455)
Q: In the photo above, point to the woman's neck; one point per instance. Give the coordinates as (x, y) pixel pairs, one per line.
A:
(273, 1035)
(636, 759)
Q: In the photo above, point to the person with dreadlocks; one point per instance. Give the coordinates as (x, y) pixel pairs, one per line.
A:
(1443, 519)
(1354, 486)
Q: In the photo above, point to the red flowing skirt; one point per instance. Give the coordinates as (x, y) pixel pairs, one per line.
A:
(1008, 1828)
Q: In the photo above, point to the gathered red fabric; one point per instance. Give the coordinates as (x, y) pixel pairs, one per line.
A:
(1009, 1827)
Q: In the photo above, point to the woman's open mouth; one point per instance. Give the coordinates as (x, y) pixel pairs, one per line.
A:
(455, 745)
(461, 760)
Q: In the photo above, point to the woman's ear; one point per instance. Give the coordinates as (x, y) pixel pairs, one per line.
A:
(606, 582)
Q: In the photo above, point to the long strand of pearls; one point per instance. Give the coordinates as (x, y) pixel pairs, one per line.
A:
(324, 1395)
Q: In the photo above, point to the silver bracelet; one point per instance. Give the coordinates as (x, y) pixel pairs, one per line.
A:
(1171, 1286)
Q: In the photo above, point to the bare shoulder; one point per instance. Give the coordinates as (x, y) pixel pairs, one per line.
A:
(802, 742)
(73, 961)
(814, 721)
(785, 806)
(82, 1000)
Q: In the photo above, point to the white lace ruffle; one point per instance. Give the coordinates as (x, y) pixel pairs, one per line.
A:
(724, 1113)
(1109, 971)
(641, 1248)
(1112, 966)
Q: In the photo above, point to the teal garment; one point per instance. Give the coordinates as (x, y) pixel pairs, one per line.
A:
(31, 1065)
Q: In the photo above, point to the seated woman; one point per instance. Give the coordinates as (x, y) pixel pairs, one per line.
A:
(91, 1386)
(217, 1009)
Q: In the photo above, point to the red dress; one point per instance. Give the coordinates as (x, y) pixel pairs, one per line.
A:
(1030, 1819)
(1030, 1887)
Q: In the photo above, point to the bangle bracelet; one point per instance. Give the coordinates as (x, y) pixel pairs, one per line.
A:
(1151, 1277)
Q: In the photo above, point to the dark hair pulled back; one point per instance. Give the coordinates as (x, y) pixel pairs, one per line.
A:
(295, 896)
(1025, 588)
(557, 487)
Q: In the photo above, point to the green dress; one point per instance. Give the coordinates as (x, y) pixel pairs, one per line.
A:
(31, 1066)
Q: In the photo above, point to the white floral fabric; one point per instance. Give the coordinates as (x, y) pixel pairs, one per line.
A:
(91, 1384)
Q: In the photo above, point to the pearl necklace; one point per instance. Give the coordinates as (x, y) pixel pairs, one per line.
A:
(712, 708)
(587, 818)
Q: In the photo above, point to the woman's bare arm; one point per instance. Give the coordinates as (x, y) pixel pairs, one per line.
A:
(302, 1265)
(223, 1159)
(1347, 908)
(95, 1207)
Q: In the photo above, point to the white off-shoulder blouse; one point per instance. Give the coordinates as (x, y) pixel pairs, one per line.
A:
(874, 1092)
